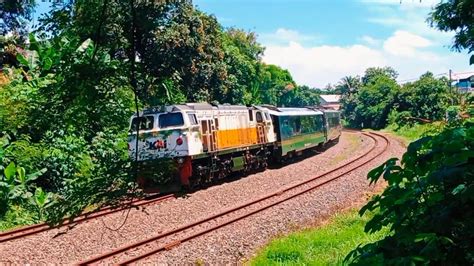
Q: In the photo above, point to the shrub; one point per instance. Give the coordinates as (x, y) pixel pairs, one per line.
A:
(427, 205)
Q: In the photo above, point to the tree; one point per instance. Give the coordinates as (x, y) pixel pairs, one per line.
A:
(348, 85)
(374, 102)
(456, 15)
(242, 56)
(188, 51)
(305, 96)
(275, 84)
(373, 73)
(427, 97)
(14, 17)
(369, 104)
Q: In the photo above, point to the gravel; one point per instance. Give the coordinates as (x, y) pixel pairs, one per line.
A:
(231, 244)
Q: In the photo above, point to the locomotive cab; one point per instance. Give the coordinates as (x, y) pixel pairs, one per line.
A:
(164, 135)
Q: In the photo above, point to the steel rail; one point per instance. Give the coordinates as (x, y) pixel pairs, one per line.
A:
(233, 209)
(42, 227)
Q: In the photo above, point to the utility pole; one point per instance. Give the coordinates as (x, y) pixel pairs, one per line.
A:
(450, 78)
(451, 86)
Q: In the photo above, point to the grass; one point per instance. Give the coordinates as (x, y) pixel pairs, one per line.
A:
(325, 245)
(16, 217)
(353, 146)
(412, 133)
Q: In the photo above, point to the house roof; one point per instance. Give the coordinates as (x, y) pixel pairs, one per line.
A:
(331, 98)
(462, 76)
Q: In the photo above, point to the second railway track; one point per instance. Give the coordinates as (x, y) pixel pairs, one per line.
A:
(174, 237)
(42, 227)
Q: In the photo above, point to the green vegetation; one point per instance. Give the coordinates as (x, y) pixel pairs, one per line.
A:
(324, 245)
(411, 133)
(425, 214)
(377, 101)
(68, 88)
(456, 16)
(427, 204)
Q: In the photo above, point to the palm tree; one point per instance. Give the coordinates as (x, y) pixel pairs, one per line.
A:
(349, 85)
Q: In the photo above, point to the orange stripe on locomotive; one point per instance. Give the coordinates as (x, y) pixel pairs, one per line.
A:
(233, 138)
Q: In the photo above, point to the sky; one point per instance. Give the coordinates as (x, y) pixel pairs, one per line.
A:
(321, 41)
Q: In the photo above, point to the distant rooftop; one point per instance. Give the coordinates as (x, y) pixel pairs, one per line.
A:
(330, 98)
(462, 76)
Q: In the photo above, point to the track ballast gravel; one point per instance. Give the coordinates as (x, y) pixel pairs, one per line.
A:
(231, 244)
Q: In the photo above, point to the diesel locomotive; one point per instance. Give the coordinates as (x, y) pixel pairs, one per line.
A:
(208, 142)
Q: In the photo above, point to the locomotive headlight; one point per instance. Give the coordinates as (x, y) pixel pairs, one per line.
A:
(180, 160)
(179, 141)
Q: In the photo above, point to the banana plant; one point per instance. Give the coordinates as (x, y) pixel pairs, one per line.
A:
(15, 187)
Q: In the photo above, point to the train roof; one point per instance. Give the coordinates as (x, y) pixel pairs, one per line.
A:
(276, 111)
(290, 111)
(191, 107)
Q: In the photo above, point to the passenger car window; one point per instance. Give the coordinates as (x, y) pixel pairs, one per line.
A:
(250, 115)
(297, 125)
(170, 120)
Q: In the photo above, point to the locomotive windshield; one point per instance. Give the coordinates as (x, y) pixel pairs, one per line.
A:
(144, 122)
(170, 120)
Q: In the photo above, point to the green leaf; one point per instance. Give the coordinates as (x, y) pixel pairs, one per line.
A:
(47, 64)
(35, 175)
(84, 46)
(418, 258)
(424, 237)
(33, 42)
(458, 189)
(10, 171)
(33, 59)
(22, 59)
(40, 197)
(375, 173)
(21, 175)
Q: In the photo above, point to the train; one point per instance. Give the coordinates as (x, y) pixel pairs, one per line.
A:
(206, 142)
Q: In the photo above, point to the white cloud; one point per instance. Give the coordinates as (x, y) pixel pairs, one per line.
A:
(404, 43)
(319, 65)
(370, 40)
(403, 3)
(285, 36)
(407, 15)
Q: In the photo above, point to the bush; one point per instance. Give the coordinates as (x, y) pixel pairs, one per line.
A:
(90, 174)
(18, 191)
(427, 204)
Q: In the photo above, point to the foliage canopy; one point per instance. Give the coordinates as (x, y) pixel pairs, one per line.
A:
(427, 204)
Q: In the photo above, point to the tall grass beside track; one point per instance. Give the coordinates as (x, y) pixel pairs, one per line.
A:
(414, 132)
(325, 245)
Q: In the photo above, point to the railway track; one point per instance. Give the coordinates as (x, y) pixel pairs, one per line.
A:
(174, 237)
(42, 227)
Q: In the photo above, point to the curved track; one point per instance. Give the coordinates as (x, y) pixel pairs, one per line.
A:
(187, 232)
(38, 228)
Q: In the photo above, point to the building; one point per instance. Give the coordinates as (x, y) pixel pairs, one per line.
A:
(330, 101)
(464, 82)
